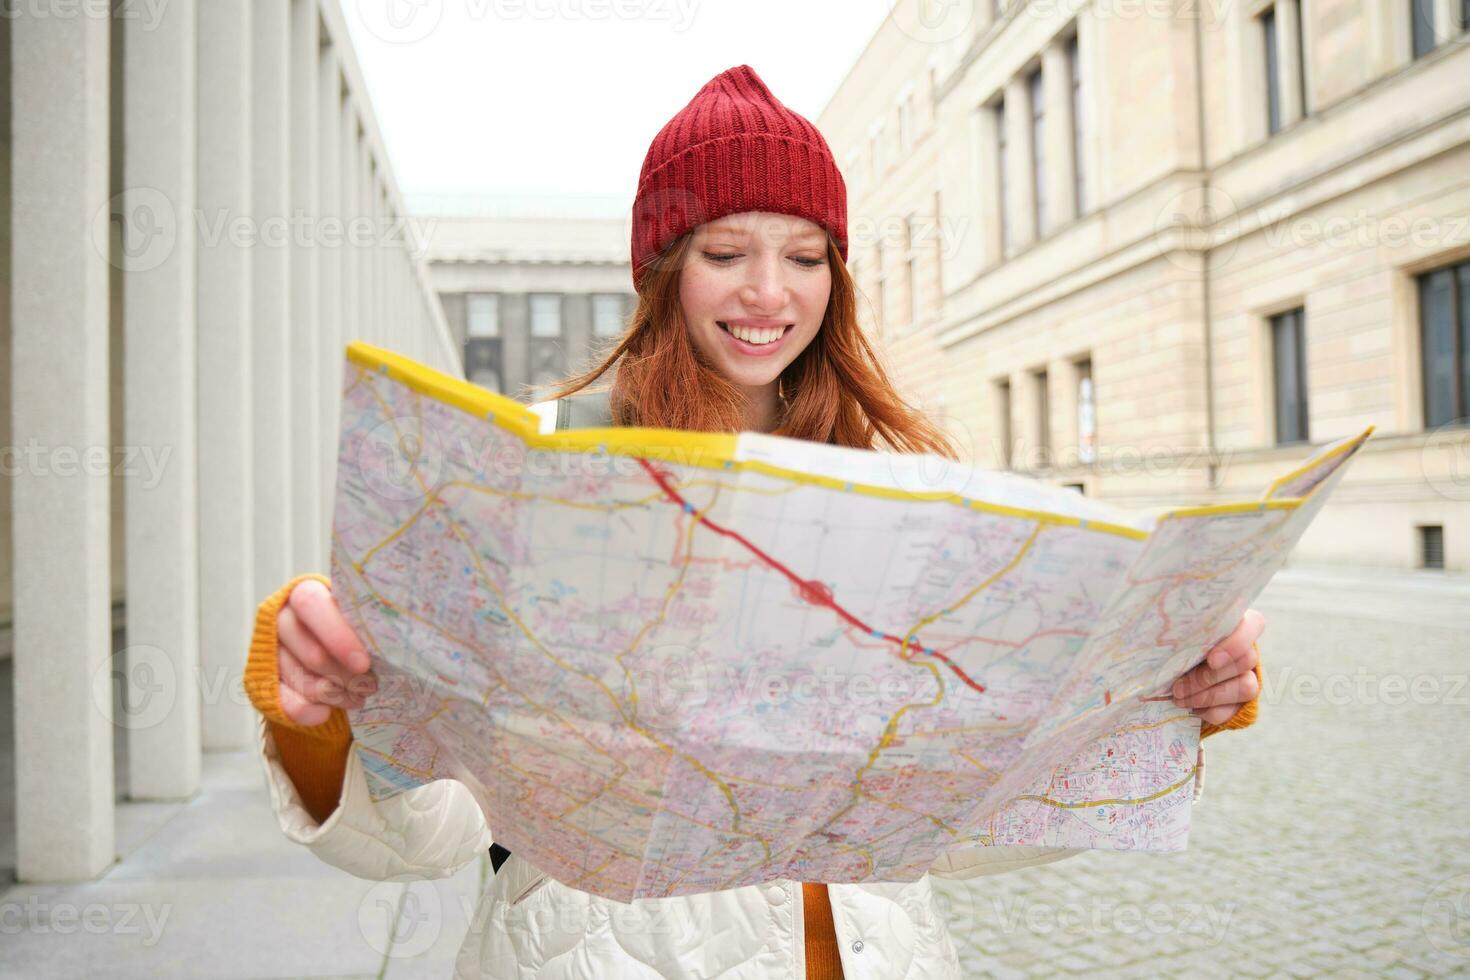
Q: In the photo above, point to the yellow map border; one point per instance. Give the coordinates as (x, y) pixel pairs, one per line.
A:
(716, 451)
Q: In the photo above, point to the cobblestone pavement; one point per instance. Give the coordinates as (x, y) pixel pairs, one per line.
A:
(1333, 837)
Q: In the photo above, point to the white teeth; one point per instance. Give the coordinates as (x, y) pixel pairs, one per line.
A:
(755, 335)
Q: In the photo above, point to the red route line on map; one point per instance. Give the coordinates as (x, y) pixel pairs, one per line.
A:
(813, 592)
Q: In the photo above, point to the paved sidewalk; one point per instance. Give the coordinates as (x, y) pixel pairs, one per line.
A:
(1331, 838)
(211, 888)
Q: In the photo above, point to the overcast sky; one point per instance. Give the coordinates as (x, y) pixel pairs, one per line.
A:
(560, 98)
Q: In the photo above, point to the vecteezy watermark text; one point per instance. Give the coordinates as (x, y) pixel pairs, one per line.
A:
(38, 459)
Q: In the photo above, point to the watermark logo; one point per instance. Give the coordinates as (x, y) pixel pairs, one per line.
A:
(401, 458)
(1192, 221)
(1445, 460)
(657, 218)
(400, 21)
(135, 687)
(145, 225)
(932, 21)
(150, 12)
(1446, 915)
(400, 920)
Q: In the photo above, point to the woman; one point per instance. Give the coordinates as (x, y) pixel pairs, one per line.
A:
(746, 320)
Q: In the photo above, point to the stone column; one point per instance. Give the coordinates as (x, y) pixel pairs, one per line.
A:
(577, 330)
(309, 544)
(378, 288)
(160, 368)
(270, 271)
(1028, 421)
(1062, 384)
(1061, 172)
(1021, 197)
(58, 339)
(515, 340)
(987, 155)
(351, 252)
(226, 538)
(330, 247)
(400, 293)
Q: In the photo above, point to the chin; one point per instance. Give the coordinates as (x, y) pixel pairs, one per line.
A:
(745, 377)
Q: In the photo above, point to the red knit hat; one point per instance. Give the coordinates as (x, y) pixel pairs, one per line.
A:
(733, 148)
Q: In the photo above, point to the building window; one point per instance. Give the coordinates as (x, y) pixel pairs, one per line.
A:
(1279, 72)
(483, 314)
(875, 147)
(1444, 320)
(482, 362)
(1289, 373)
(1038, 149)
(913, 271)
(938, 250)
(881, 281)
(607, 315)
(545, 315)
(1273, 70)
(1086, 414)
(1431, 546)
(1003, 420)
(1421, 15)
(906, 122)
(1079, 168)
(1300, 68)
(1003, 177)
(1043, 417)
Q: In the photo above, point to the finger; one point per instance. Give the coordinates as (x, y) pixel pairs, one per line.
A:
(313, 603)
(1237, 690)
(1219, 714)
(313, 687)
(1240, 640)
(300, 711)
(295, 676)
(1233, 656)
(293, 636)
(1204, 676)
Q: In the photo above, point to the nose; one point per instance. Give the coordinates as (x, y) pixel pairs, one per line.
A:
(765, 289)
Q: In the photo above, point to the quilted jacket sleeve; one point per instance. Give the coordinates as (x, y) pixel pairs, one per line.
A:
(428, 832)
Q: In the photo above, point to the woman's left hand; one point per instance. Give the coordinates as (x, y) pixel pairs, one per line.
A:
(1226, 681)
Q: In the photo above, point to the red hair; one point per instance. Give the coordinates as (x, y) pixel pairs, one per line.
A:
(835, 391)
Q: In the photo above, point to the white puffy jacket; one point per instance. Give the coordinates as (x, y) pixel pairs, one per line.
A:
(529, 925)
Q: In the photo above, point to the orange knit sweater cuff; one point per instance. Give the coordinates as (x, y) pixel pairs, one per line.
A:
(314, 756)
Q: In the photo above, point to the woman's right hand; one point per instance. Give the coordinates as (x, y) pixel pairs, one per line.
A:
(322, 663)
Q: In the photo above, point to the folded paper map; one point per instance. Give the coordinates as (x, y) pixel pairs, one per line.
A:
(670, 662)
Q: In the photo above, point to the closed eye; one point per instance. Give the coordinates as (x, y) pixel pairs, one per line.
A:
(723, 258)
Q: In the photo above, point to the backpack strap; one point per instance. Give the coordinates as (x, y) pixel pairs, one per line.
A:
(585, 410)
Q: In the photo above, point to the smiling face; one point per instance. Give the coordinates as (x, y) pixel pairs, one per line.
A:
(754, 291)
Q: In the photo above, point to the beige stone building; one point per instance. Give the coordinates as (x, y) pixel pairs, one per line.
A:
(1159, 249)
(532, 290)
